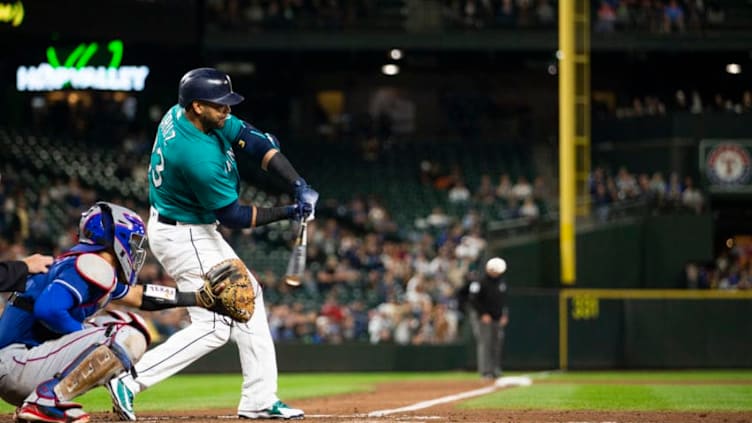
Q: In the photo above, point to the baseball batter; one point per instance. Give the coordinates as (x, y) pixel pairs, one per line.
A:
(193, 184)
(49, 355)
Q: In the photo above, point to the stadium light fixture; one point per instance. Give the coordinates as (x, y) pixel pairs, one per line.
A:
(390, 69)
(733, 68)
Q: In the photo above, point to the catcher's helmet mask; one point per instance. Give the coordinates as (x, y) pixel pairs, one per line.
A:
(207, 84)
(108, 226)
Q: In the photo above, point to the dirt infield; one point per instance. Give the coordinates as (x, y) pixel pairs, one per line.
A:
(388, 397)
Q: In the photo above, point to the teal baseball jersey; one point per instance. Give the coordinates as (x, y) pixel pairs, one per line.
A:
(191, 173)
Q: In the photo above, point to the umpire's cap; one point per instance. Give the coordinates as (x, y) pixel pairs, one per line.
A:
(207, 84)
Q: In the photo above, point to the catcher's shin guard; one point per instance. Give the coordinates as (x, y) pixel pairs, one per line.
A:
(95, 365)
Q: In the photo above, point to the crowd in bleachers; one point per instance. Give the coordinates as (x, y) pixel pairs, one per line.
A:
(658, 16)
(508, 198)
(680, 101)
(365, 280)
(256, 15)
(731, 269)
(618, 192)
(360, 285)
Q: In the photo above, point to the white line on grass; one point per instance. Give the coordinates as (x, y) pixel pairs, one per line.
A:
(503, 382)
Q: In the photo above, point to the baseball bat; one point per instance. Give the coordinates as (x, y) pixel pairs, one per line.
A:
(297, 262)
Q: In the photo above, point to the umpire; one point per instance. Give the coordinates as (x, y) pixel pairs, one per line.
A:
(487, 299)
(13, 273)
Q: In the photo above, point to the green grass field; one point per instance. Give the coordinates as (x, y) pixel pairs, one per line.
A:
(641, 391)
(649, 391)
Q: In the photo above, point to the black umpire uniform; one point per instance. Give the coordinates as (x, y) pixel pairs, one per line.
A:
(489, 315)
(13, 275)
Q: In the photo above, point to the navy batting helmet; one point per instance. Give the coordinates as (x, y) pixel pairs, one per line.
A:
(207, 84)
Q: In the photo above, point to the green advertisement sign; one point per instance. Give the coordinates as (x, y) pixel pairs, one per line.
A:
(75, 71)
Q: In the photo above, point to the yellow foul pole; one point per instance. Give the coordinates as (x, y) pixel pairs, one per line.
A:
(567, 188)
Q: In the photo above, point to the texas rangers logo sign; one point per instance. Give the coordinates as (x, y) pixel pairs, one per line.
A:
(728, 165)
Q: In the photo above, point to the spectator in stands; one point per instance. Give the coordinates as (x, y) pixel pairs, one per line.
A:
(41, 230)
(541, 191)
(379, 219)
(444, 323)
(459, 193)
(506, 13)
(673, 17)
(606, 17)
(696, 106)
(658, 187)
(597, 176)
(545, 13)
(602, 200)
(525, 13)
(646, 194)
(691, 197)
(626, 185)
(438, 218)
(624, 17)
(381, 322)
(746, 101)
(529, 210)
(444, 181)
(476, 13)
(18, 222)
(522, 189)
(681, 102)
(486, 192)
(470, 246)
(696, 276)
(674, 190)
(714, 15)
(504, 189)
(471, 219)
(719, 105)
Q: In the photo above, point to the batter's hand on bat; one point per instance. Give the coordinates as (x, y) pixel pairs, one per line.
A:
(301, 211)
(305, 201)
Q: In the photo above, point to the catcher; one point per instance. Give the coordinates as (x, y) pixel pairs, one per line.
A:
(50, 353)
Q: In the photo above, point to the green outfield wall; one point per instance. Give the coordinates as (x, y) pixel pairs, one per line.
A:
(654, 329)
(643, 252)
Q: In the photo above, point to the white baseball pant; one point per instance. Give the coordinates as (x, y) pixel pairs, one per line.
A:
(186, 252)
(23, 369)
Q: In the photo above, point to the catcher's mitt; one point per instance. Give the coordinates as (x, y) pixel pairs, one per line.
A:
(228, 290)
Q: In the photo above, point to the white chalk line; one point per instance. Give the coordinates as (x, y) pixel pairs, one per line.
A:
(500, 383)
(503, 382)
